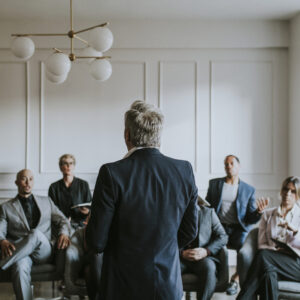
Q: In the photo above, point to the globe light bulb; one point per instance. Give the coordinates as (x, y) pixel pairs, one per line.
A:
(101, 69)
(22, 47)
(58, 64)
(101, 38)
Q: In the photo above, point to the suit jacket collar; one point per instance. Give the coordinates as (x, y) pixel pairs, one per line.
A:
(144, 151)
(18, 207)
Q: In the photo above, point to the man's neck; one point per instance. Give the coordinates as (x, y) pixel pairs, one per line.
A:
(24, 195)
(232, 180)
(68, 179)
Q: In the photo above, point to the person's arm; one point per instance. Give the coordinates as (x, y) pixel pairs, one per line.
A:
(7, 247)
(252, 215)
(219, 237)
(102, 211)
(262, 234)
(62, 226)
(189, 225)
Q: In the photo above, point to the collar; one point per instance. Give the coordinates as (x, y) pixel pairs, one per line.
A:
(292, 211)
(23, 199)
(135, 149)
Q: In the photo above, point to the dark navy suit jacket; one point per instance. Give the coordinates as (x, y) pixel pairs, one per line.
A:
(245, 201)
(143, 211)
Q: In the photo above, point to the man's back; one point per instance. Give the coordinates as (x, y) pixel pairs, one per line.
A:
(143, 207)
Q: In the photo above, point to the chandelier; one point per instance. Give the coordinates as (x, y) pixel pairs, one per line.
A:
(58, 64)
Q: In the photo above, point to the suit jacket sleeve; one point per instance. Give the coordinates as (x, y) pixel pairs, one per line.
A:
(189, 225)
(252, 215)
(3, 224)
(59, 220)
(102, 211)
(219, 237)
(209, 193)
(51, 194)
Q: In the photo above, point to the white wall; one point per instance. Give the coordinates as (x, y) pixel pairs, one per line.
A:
(221, 85)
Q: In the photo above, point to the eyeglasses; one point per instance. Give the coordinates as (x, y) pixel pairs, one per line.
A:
(67, 163)
(286, 190)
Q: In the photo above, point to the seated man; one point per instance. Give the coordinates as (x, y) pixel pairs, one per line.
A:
(235, 205)
(70, 191)
(200, 256)
(25, 233)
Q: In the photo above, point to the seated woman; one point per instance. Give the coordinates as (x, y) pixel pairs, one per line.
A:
(278, 257)
(200, 256)
(70, 191)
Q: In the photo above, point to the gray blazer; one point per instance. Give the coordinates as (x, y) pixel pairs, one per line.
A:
(14, 225)
(211, 234)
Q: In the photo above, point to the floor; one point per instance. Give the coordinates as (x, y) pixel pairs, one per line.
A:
(44, 291)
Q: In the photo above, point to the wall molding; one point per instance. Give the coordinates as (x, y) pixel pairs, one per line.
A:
(27, 112)
(271, 63)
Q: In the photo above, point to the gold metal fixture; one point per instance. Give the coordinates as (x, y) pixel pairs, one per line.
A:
(72, 35)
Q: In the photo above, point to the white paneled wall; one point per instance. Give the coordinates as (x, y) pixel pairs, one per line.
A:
(215, 101)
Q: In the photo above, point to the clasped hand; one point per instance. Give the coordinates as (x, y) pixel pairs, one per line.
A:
(7, 248)
(194, 254)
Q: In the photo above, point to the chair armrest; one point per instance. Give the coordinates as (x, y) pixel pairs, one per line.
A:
(246, 255)
(223, 270)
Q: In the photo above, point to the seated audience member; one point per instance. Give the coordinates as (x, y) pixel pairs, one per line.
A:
(234, 203)
(81, 263)
(70, 191)
(200, 256)
(278, 257)
(25, 233)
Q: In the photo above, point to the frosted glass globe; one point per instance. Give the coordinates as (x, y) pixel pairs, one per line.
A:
(56, 79)
(22, 47)
(90, 51)
(58, 64)
(101, 69)
(101, 38)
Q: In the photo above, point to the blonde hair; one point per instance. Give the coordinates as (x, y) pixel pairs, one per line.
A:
(295, 181)
(66, 156)
(145, 123)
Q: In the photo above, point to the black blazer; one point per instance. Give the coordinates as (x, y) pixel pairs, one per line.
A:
(143, 208)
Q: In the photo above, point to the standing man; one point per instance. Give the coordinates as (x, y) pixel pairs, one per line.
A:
(71, 191)
(143, 211)
(25, 233)
(234, 203)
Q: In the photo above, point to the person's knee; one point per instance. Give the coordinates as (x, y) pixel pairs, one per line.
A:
(209, 268)
(22, 267)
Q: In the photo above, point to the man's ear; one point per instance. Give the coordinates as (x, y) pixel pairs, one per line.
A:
(127, 135)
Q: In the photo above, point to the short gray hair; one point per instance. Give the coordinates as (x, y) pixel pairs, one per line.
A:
(66, 156)
(145, 123)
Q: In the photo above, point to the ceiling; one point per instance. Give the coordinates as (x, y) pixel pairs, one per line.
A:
(149, 9)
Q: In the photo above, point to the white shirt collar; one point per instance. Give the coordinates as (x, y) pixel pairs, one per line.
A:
(135, 149)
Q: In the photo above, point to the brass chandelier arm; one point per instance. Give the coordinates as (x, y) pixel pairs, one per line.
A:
(90, 28)
(39, 34)
(80, 39)
(97, 57)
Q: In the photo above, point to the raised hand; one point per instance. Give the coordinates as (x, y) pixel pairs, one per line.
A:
(262, 203)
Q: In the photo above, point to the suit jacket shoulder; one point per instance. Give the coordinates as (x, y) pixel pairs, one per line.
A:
(247, 186)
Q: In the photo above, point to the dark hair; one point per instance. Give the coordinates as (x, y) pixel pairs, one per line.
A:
(232, 155)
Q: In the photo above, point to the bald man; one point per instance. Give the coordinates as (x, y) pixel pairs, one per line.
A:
(25, 233)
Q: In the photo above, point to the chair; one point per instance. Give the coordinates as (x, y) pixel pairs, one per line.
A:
(287, 289)
(44, 272)
(191, 281)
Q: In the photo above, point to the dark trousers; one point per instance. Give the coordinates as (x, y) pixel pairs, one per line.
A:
(205, 269)
(236, 236)
(266, 269)
(92, 274)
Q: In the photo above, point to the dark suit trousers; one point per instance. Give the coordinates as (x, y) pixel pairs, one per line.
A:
(205, 269)
(266, 269)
